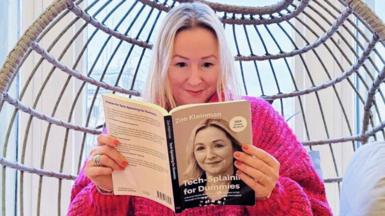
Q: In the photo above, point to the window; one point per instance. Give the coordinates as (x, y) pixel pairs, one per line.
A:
(10, 28)
(15, 18)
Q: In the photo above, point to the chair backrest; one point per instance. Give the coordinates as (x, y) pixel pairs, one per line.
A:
(320, 62)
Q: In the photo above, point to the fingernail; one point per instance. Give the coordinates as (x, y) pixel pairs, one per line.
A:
(236, 163)
(245, 147)
(116, 142)
(237, 155)
(124, 163)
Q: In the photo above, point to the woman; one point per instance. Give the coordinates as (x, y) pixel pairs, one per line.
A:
(192, 64)
(210, 174)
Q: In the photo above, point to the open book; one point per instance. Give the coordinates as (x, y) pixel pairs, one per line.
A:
(182, 158)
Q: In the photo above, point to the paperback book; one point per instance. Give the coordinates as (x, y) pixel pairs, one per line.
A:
(181, 158)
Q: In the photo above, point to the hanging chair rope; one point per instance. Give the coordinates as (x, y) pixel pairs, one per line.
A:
(364, 56)
(78, 75)
(12, 63)
(276, 8)
(260, 20)
(44, 117)
(340, 20)
(370, 100)
(350, 33)
(41, 172)
(27, 42)
(371, 18)
(79, 12)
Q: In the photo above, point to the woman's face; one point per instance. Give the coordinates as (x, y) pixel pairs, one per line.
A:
(194, 68)
(214, 152)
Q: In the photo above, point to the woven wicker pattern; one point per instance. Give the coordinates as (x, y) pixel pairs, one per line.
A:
(282, 44)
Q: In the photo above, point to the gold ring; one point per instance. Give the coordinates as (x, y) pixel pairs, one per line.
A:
(96, 160)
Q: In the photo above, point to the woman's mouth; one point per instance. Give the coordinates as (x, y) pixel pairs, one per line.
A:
(194, 92)
(213, 162)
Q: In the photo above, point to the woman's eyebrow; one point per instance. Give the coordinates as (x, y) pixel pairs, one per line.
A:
(218, 140)
(179, 56)
(209, 56)
(204, 57)
(199, 143)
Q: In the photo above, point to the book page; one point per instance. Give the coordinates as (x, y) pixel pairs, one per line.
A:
(206, 136)
(141, 132)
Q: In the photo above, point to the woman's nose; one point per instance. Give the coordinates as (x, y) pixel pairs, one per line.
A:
(195, 77)
(210, 153)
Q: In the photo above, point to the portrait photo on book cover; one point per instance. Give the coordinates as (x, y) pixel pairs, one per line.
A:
(207, 174)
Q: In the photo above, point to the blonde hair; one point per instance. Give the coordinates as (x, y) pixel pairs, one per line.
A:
(185, 16)
(193, 171)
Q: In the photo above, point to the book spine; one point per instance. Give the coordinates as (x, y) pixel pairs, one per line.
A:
(173, 166)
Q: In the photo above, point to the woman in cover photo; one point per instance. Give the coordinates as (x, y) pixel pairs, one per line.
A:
(210, 176)
(192, 63)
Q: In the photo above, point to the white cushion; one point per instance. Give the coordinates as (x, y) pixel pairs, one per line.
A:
(363, 186)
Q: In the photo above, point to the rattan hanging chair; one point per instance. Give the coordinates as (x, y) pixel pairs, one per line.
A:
(321, 63)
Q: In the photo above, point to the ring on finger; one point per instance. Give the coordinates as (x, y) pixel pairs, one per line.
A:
(96, 159)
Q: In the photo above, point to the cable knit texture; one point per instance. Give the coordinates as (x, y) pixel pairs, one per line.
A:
(299, 190)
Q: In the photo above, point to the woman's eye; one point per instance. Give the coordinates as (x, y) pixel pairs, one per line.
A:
(199, 148)
(181, 64)
(207, 64)
(219, 145)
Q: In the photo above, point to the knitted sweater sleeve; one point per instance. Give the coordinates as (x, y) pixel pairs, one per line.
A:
(86, 200)
(299, 190)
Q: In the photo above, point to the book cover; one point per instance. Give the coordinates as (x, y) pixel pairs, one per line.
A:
(182, 158)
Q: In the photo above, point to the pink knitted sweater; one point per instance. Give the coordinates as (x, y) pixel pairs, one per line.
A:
(299, 190)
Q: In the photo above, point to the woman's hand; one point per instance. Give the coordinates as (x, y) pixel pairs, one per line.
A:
(258, 169)
(103, 159)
